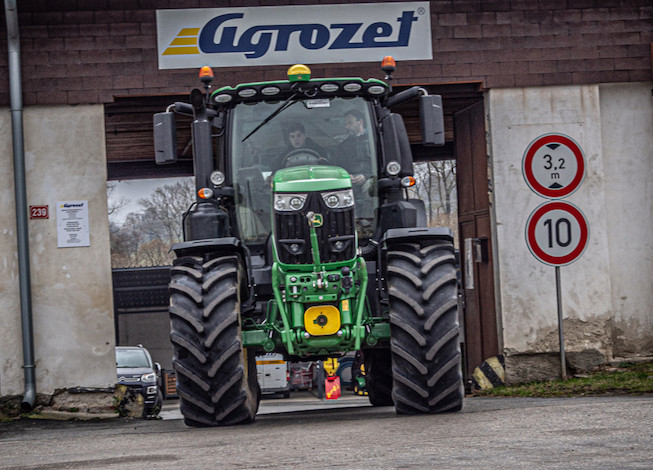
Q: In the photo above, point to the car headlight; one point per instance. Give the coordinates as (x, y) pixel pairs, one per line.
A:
(149, 377)
(339, 199)
(284, 202)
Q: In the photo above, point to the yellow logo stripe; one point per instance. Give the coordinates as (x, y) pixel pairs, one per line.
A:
(185, 43)
(189, 32)
(181, 50)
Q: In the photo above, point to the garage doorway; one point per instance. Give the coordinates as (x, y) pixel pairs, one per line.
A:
(475, 235)
(465, 151)
(130, 156)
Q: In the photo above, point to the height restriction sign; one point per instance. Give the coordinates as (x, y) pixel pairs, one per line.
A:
(557, 233)
(553, 166)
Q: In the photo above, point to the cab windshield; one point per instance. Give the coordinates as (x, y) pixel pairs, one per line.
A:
(332, 131)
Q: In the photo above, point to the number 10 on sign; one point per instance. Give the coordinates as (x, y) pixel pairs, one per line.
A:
(557, 233)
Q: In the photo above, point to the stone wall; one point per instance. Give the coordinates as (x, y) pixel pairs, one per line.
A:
(71, 287)
(606, 295)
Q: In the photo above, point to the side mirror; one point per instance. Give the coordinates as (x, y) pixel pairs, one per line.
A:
(431, 120)
(157, 367)
(165, 138)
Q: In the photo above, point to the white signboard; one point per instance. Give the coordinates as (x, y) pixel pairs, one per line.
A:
(72, 224)
(308, 34)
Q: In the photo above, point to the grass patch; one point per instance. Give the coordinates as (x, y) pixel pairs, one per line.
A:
(625, 379)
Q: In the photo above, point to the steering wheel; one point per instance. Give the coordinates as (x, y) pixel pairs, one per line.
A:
(302, 156)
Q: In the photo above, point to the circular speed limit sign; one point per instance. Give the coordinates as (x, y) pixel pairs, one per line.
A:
(557, 233)
(553, 166)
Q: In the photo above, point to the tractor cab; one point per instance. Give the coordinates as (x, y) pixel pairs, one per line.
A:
(315, 131)
(302, 121)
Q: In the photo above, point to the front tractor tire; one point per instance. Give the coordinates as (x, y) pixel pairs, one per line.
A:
(425, 346)
(216, 376)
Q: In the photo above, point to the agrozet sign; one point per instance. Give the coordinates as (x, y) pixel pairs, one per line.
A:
(236, 37)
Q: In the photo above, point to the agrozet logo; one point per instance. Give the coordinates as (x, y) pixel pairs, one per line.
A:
(284, 35)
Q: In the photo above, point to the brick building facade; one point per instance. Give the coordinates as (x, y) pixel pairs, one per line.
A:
(93, 51)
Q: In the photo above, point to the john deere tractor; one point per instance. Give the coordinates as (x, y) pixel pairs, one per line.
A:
(308, 247)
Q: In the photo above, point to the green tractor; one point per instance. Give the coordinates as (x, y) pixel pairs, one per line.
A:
(303, 241)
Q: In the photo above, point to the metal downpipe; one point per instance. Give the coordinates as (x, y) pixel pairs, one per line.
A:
(16, 102)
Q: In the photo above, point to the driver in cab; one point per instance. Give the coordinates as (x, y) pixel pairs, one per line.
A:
(300, 149)
(297, 138)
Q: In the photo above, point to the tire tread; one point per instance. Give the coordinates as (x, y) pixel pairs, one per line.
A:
(212, 383)
(425, 348)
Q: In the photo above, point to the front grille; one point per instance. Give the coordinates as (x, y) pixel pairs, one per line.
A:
(129, 379)
(291, 228)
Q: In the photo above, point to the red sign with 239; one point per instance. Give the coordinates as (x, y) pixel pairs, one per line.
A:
(38, 212)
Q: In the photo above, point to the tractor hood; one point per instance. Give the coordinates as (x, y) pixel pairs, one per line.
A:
(310, 178)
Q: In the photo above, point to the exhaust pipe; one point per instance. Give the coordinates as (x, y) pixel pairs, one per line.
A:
(15, 93)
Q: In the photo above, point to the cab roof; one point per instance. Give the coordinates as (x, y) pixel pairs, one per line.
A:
(313, 88)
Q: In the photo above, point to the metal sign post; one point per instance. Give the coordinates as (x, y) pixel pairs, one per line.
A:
(561, 333)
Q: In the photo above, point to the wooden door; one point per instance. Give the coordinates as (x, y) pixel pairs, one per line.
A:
(479, 313)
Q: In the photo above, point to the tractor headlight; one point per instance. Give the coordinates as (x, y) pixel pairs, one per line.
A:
(332, 200)
(393, 168)
(224, 98)
(289, 202)
(217, 178)
(296, 203)
(339, 199)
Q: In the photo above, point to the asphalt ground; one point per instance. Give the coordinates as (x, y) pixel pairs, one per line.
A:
(302, 400)
(303, 432)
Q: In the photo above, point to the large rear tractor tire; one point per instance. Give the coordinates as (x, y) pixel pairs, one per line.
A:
(216, 376)
(424, 328)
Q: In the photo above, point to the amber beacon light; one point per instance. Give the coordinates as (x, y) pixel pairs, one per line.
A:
(206, 74)
(388, 65)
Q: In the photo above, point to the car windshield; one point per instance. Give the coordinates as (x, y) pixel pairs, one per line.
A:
(331, 131)
(131, 358)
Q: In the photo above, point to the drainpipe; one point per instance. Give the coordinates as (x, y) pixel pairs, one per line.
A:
(15, 93)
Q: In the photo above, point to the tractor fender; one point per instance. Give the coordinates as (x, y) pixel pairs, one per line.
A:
(209, 245)
(217, 247)
(417, 234)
